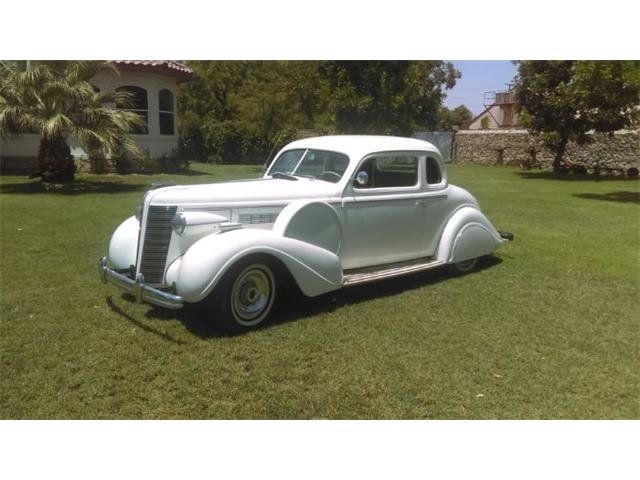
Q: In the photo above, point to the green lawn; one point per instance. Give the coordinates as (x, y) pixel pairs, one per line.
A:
(548, 328)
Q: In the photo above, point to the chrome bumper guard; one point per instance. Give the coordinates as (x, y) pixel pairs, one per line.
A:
(137, 288)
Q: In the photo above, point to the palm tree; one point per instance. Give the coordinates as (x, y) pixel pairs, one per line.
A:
(56, 100)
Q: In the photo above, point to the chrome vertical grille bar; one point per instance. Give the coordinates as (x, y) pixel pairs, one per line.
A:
(156, 242)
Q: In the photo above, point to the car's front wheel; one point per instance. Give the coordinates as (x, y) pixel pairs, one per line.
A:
(245, 296)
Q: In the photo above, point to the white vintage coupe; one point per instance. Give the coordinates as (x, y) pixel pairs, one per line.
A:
(329, 212)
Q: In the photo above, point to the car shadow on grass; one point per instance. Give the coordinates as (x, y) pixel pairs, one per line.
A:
(73, 188)
(300, 308)
(620, 196)
(115, 309)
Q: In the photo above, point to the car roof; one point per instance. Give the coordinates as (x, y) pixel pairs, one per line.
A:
(357, 146)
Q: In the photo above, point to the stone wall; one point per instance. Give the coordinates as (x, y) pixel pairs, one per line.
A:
(602, 154)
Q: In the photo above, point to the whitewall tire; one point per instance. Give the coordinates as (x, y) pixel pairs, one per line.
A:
(245, 296)
(466, 266)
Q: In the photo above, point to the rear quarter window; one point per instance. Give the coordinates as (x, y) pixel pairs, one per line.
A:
(434, 175)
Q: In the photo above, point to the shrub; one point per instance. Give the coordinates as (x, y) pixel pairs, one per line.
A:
(173, 162)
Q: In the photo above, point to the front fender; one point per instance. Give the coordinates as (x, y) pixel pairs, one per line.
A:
(124, 243)
(468, 234)
(199, 270)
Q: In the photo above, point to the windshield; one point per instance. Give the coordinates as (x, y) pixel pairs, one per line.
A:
(320, 164)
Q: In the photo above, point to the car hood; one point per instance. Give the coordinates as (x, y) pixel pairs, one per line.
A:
(267, 190)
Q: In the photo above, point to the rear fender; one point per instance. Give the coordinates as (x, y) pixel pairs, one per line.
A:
(468, 234)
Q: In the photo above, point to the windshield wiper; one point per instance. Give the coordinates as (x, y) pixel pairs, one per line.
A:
(283, 175)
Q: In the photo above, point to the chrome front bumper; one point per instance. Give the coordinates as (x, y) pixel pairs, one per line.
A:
(137, 288)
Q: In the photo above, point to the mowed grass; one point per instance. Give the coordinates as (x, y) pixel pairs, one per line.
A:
(548, 328)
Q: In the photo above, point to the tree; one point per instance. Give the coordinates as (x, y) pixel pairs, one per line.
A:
(56, 100)
(206, 122)
(236, 111)
(387, 97)
(564, 100)
(277, 99)
(460, 116)
(243, 110)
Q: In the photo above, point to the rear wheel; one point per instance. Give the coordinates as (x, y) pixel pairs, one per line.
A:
(466, 266)
(245, 296)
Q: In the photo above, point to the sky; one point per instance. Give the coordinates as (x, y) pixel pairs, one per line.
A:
(478, 76)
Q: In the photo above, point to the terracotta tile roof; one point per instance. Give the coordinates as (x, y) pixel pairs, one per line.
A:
(164, 67)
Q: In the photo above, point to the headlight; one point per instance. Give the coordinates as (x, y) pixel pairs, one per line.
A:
(179, 223)
(197, 223)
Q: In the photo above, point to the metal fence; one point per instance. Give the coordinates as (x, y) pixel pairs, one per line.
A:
(442, 140)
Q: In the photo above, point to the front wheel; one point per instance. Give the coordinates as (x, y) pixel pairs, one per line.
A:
(245, 296)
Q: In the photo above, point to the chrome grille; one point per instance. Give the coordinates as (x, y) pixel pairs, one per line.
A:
(156, 243)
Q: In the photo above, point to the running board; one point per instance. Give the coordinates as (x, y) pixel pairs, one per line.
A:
(390, 270)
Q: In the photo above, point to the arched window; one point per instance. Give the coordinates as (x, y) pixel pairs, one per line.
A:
(165, 101)
(139, 104)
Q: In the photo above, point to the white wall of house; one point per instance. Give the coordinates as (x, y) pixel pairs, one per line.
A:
(19, 146)
(157, 145)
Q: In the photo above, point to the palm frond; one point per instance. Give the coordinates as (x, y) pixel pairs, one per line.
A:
(57, 125)
(57, 99)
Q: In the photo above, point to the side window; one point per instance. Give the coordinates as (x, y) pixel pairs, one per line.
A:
(433, 171)
(389, 171)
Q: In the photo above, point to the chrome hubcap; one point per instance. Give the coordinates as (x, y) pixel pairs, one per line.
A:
(252, 295)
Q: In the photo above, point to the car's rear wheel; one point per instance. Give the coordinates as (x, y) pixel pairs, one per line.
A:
(466, 266)
(245, 296)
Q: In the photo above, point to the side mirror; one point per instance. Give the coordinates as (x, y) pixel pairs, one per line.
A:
(362, 178)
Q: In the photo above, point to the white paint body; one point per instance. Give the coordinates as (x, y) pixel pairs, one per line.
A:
(318, 230)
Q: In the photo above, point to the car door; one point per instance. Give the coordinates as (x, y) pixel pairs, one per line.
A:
(436, 204)
(383, 211)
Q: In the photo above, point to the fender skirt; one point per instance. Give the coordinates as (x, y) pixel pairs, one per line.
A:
(468, 234)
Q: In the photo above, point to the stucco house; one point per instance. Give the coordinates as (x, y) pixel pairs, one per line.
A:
(154, 85)
(499, 113)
